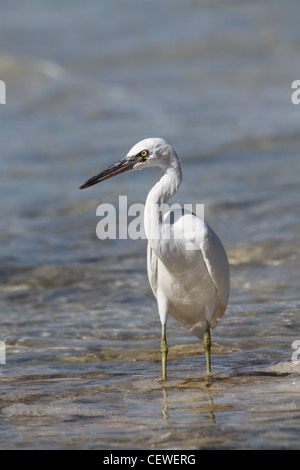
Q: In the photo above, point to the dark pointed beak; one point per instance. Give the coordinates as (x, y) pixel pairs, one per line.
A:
(113, 170)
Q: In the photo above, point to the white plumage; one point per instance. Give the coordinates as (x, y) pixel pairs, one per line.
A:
(186, 262)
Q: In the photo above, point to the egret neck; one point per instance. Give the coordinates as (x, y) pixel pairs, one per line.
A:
(159, 195)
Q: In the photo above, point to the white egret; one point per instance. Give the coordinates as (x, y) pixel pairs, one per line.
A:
(187, 264)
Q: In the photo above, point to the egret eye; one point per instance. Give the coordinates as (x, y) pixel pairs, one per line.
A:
(143, 154)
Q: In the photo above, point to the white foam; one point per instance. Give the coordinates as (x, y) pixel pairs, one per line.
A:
(286, 367)
(62, 410)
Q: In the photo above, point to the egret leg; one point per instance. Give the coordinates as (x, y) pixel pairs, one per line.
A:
(164, 352)
(207, 347)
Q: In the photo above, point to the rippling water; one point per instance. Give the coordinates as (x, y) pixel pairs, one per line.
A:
(78, 319)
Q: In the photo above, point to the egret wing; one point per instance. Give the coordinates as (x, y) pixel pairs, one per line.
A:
(216, 262)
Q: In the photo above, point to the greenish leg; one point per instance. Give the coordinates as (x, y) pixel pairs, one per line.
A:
(164, 352)
(207, 347)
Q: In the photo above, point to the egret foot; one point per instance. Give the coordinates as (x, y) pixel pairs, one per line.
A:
(207, 347)
(164, 352)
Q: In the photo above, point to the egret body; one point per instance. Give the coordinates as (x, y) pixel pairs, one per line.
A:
(186, 262)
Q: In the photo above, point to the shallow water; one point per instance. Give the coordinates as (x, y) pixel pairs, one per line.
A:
(78, 318)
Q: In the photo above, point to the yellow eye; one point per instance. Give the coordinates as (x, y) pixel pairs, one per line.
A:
(144, 153)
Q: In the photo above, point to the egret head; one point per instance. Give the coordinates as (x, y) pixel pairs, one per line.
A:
(150, 152)
(146, 153)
